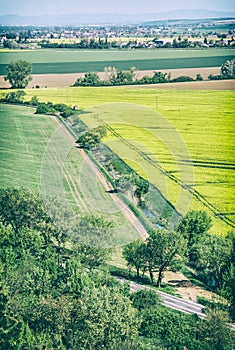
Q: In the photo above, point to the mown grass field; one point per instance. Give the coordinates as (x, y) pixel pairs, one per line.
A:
(31, 156)
(76, 61)
(203, 119)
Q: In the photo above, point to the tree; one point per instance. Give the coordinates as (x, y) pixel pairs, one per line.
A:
(90, 79)
(142, 188)
(21, 208)
(213, 259)
(216, 331)
(18, 74)
(228, 69)
(159, 77)
(135, 255)
(164, 250)
(15, 96)
(145, 299)
(103, 319)
(194, 225)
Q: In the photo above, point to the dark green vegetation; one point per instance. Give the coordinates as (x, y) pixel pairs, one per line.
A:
(209, 256)
(117, 77)
(18, 74)
(52, 297)
(54, 61)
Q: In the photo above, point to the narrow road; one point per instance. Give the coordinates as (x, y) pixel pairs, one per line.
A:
(186, 306)
(123, 207)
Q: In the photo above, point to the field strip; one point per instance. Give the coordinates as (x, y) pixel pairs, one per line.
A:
(124, 209)
(183, 185)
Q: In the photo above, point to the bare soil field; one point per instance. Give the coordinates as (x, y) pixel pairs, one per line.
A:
(66, 80)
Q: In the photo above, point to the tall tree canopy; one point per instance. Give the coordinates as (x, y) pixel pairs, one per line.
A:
(18, 73)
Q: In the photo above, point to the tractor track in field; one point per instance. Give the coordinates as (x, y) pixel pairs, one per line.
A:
(182, 184)
(107, 187)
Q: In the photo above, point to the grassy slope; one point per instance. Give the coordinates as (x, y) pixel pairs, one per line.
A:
(59, 61)
(22, 147)
(204, 119)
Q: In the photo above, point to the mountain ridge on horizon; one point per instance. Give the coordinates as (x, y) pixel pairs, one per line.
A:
(111, 18)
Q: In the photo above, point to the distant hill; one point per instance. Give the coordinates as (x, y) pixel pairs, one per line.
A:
(89, 18)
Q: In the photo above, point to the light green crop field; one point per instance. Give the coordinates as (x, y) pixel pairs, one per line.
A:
(36, 154)
(204, 122)
(58, 61)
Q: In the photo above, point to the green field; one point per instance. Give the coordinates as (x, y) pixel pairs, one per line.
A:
(36, 154)
(75, 61)
(203, 119)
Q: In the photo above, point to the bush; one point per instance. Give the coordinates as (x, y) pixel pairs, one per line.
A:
(144, 299)
(182, 79)
(215, 77)
(199, 77)
(14, 97)
(43, 108)
(34, 101)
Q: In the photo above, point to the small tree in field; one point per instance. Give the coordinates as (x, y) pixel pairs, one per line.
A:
(18, 74)
(228, 69)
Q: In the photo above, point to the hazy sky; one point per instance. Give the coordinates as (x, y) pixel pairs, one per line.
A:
(41, 7)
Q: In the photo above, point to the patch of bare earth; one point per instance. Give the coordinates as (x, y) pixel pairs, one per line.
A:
(185, 288)
(66, 80)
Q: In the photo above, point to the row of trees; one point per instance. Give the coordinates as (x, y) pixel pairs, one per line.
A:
(211, 256)
(117, 77)
(18, 74)
(17, 97)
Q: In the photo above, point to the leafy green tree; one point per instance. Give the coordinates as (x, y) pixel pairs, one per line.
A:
(90, 79)
(213, 261)
(34, 101)
(103, 318)
(21, 208)
(142, 188)
(94, 230)
(159, 77)
(18, 74)
(217, 332)
(92, 138)
(14, 97)
(92, 256)
(164, 250)
(228, 69)
(135, 255)
(145, 299)
(193, 226)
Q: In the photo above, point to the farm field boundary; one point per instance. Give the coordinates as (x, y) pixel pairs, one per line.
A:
(26, 137)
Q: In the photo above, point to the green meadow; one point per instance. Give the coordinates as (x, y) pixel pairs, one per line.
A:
(36, 154)
(74, 61)
(148, 140)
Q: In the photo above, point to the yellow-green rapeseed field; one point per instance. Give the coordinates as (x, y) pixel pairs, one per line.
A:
(185, 147)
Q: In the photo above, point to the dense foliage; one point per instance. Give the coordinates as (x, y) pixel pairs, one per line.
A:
(18, 73)
(55, 298)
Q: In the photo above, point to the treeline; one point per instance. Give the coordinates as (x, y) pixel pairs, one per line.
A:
(93, 44)
(17, 97)
(116, 77)
(211, 257)
(52, 297)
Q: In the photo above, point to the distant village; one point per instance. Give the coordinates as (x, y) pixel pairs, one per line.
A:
(166, 34)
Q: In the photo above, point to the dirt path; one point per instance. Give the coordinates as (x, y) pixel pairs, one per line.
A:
(66, 80)
(123, 207)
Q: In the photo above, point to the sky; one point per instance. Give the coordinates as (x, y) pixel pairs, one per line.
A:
(60, 7)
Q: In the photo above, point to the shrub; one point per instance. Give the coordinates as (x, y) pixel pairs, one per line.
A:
(215, 77)
(15, 97)
(199, 77)
(181, 79)
(43, 108)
